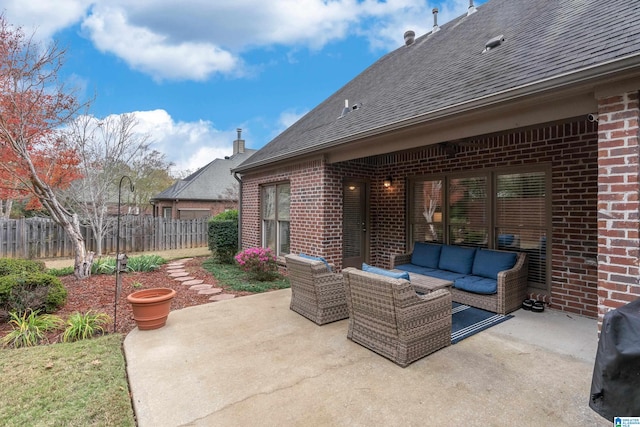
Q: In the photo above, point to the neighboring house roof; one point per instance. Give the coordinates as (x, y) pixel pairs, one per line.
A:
(548, 44)
(207, 183)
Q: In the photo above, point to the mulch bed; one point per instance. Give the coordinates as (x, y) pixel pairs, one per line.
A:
(97, 293)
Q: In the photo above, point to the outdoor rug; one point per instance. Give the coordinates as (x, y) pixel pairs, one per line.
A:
(467, 321)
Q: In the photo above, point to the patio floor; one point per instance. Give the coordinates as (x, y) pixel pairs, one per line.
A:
(252, 361)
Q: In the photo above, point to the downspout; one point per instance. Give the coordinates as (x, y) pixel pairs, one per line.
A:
(235, 175)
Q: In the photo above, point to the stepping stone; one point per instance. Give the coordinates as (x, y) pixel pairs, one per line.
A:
(199, 287)
(221, 297)
(184, 279)
(176, 270)
(175, 264)
(181, 274)
(193, 282)
(211, 291)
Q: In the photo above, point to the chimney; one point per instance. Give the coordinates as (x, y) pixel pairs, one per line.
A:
(238, 144)
(472, 8)
(409, 37)
(435, 20)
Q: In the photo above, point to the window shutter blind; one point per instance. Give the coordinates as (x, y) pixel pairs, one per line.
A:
(521, 220)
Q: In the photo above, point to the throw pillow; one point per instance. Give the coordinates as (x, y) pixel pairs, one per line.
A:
(381, 271)
(426, 254)
(316, 258)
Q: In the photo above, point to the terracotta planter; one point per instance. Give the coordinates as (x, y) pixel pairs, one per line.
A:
(151, 307)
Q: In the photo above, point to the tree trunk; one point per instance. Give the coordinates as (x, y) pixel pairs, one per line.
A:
(5, 208)
(84, 258)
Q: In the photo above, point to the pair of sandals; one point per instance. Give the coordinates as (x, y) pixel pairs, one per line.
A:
(533, 305)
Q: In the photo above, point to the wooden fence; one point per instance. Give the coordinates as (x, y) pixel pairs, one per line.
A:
(35, 238)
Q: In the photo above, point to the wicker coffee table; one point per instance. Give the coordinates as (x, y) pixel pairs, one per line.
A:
(425, 284)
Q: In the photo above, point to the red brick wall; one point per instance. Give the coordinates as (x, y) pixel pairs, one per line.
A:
(316, 209)
(618, 206)
(569, 149)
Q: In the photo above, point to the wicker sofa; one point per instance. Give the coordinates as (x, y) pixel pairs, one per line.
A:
(388, 317)
(488, 279)
(317, 293)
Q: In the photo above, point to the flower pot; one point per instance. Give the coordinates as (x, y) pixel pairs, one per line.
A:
(151, 307)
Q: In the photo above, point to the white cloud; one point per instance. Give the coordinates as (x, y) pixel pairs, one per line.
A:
(154, 53)
(44, 17)
(189, 145)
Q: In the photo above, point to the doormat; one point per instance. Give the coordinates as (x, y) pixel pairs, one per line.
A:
(467, 321)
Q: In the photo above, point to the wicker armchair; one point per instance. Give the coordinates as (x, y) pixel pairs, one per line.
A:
(316, 293)
(388, 317)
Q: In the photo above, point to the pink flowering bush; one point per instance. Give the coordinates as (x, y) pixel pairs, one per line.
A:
(260, 263)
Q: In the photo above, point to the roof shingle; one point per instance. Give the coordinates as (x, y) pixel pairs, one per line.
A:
(544, 39)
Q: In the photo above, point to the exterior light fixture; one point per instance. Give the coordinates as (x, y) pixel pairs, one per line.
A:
(387, 182)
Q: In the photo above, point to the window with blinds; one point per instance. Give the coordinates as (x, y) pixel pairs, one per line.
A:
(521, 220)
(425, 220)
(498, 210)
(468, 218)
(275, 218)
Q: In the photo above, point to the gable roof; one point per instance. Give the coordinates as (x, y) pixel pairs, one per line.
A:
(207, 183)
(547, 44)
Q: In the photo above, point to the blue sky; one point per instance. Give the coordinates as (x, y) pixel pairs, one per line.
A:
(195, 70)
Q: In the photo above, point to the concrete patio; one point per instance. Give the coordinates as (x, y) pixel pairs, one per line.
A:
(252, 361)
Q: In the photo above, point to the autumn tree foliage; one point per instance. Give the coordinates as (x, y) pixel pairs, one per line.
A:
(34, 106)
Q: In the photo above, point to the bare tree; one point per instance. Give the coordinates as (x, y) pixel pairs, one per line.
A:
(107, 149)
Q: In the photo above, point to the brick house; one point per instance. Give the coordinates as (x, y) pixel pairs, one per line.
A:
(514, 126)
(207, 192)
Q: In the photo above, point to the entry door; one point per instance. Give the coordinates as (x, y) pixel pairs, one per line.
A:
(355, 242)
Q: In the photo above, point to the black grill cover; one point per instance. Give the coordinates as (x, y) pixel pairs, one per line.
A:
(615, 387)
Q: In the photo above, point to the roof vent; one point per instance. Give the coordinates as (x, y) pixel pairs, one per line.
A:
(472, 8)
(493, 43)
(346, 109)
(435, 20)
(409, 37)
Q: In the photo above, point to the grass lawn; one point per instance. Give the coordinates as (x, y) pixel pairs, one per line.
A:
(72, 384)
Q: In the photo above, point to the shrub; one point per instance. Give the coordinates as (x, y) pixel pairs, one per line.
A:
(105, 265)
(230, 215)
(32, 292)
(223, 236)
(10, 266)
(82, 326)
(260, 263)
(30, 328)
(145, 263)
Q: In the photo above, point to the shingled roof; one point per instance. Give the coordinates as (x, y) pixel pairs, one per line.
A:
(207, 183)
(547, 44)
